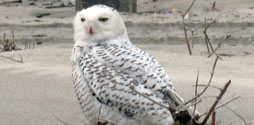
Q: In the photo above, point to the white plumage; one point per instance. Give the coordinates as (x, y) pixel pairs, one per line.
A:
(105, 65)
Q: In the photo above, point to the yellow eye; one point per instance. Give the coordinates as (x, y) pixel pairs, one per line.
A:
(103, 19)
(83, 19)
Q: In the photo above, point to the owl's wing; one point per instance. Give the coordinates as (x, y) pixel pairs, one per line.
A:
(112, 88)
(140, 66)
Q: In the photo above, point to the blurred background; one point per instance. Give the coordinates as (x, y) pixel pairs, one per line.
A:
(36, 39)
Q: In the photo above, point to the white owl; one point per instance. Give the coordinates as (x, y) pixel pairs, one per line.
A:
(105, 65)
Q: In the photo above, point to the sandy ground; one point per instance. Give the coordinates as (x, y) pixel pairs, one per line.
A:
(40, 91)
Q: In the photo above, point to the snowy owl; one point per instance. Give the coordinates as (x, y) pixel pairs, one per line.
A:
(113, 79)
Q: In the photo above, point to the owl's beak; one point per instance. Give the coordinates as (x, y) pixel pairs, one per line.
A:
(91, 31)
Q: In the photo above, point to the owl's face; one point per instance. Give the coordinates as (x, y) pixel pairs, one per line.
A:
(98, 23)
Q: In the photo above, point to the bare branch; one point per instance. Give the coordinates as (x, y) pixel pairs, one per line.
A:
(206, 36)
(196, 92)
(216, 102)
(12, 32)
(58, 119)
(208, 97)
(193, 38)
(222, 105)
(109, 121)
(210, 80)
(194, 103)
(213, 118)
(99, 114)
(186, 37)
(237, 115)
(226, 38)
(188, 10)
(207, 39)
(132, 88)
(211, 86)
(184, 27)
(19, 61)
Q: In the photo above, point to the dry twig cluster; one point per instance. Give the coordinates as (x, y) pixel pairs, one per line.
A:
(209, 46)
(9, 45)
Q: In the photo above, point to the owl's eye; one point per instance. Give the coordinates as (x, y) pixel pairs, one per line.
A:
(83, 19)
(103, 19)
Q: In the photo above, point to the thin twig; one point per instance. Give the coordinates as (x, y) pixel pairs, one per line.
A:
(109, 121)
(196, 92)
(99, 115)
(193, 38)
(216, 102)
(186, 37)
(206, 36)
(19, 61)
(226, 38)
(222, 105)
(211, 86)
(65, 123)
(133, 89)
(207, 39)
(188, 10)
(210, 80)
(194, 103)
(227, 102)
(184, 27)
(12, 32)
(237, 115)
(204, 97)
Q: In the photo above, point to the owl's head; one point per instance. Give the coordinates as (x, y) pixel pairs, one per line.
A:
(98, 23)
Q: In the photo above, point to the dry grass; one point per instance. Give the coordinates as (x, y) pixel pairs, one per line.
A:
(8, 45)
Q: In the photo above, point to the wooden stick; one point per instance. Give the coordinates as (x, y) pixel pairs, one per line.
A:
(186, 37)
(184, 27)
(213, 118)
(216, 102)
(206, 37)
(196, 92)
